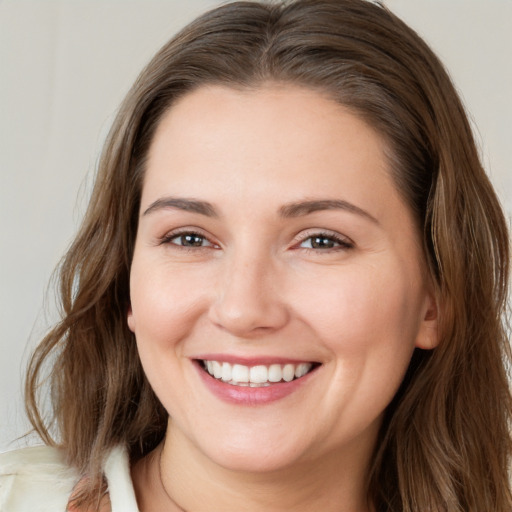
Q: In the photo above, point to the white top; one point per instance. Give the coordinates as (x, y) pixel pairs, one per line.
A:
(38, 480)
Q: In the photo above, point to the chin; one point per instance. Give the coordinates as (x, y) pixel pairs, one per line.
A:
(254, 454)
(254, 461)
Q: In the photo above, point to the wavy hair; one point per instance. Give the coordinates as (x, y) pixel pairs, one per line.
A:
(445, 443)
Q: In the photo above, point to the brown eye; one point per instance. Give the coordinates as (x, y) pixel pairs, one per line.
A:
(190, 240)
(324, 241)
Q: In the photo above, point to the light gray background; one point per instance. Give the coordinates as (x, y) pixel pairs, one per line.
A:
(64, 68)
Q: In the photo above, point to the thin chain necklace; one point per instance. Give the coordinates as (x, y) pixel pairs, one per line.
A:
(162, 482)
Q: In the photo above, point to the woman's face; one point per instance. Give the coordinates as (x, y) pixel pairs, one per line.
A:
(274, 252)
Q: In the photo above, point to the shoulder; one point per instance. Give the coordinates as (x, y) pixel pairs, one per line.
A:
(35, 479)
(38, 479)
(120, 486)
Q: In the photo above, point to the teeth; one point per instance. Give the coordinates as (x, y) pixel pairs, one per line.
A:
(240, 373)
(217, 369)
(288, 372)
(275, 374)
(302, 369)
(256, 376)
(226, 372)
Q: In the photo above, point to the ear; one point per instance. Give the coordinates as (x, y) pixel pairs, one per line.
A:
(130, 320)
(428, 334)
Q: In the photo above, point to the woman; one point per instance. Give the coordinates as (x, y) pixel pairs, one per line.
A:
(288, 291)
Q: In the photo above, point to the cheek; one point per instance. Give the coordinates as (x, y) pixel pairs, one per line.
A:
(368, 321)
(164, 312)
(361, 309)
(164, 309)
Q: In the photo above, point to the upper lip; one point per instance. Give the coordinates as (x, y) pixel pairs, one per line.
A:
(251, 361)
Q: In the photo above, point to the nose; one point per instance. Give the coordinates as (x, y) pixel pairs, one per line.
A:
(248, 301)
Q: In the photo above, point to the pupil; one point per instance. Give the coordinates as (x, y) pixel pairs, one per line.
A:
(321, 242)
(193, 240)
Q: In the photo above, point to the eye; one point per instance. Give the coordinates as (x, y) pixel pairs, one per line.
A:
(326, 241)
(187, 239)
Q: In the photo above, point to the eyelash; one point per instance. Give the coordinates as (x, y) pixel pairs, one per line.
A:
(169, 237)
(343, 243)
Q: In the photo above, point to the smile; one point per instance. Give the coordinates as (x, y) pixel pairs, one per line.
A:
(255, 376)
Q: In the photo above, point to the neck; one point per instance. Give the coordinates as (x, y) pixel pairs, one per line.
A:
(177, 477)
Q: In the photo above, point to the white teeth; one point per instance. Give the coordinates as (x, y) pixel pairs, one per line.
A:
(275, 374)
(302, 369)
(256, 376)
(288, 372)
(239, 373)
(217, 369)
(226, 372)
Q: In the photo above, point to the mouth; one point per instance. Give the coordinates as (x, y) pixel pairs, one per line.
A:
(256, 376)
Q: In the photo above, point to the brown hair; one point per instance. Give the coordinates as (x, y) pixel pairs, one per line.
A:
(445, 441)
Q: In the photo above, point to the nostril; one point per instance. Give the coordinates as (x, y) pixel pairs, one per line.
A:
(250, 316)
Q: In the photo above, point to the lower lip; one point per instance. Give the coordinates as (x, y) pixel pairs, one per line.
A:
(245, 395)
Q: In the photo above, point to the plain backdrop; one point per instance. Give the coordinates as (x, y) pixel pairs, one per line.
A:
(64, 68)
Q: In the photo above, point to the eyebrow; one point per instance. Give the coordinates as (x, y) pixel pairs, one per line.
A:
(290, 210)
(189, 205)
(302, 208)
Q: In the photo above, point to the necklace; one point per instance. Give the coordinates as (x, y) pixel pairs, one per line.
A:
(162, 481)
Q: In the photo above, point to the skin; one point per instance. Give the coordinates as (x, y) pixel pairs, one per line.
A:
(256, 286)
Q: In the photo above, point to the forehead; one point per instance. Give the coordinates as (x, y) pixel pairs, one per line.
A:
(294, 131)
